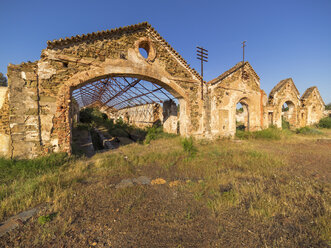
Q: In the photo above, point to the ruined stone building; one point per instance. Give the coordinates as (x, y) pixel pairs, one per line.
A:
(37, 108)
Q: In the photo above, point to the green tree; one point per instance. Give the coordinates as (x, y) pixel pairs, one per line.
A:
(328, 106)
(3, 80)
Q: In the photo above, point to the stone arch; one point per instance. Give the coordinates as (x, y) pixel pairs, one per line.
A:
(245, 102)
(291, 115)
(63, 129)
(285, 91)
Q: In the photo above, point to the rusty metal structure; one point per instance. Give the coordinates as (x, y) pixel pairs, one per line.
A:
(116, 93)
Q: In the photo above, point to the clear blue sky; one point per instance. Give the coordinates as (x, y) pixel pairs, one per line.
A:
(285, 38)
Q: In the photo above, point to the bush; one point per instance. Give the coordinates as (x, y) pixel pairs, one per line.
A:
(188, 146)
(308, 131)
(325, 123)
(153, 133)
(285, 124)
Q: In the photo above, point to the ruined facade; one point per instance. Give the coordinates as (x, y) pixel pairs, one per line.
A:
(140, 116)
(36, 110)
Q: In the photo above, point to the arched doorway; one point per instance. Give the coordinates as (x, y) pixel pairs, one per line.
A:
(288, 115)
(242, 117)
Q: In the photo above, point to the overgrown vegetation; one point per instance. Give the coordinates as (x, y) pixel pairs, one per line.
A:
(285, 124)
(328, 106)
(26, 183)
(270, 133)
(91, 118)
(325, 123)
(243, 186)
(156, 132)
(188, 147)
(11, 170)
(308, 131)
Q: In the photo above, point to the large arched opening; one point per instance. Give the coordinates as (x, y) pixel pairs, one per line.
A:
(288, 115)
(135, 99)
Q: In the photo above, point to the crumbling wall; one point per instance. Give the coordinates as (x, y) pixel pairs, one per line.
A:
(4, 123)
(24, 110)
(285, 92)
(140, 116)
(312, 107)
(239, 84)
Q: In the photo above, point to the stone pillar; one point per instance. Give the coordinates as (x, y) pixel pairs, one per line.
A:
(24, 110)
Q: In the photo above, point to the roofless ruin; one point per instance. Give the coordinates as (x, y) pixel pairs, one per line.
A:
(130, 68)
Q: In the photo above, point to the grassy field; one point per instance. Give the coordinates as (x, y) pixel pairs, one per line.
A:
(269, 189)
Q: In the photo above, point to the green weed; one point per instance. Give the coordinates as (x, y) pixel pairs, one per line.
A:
(42, 220)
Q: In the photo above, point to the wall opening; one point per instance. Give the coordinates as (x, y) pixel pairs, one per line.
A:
(118, 110)
(242, 116)
(288, 115)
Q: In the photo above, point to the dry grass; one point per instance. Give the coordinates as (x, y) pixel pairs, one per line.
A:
(257, 190)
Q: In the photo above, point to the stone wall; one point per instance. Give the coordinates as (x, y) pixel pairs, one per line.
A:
(140, 116)
(312, 107)
(239, 84)
(24, 110)
(285, 92)
(4, 123)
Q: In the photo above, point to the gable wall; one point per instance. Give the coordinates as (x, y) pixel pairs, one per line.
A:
(40, 92)
(224, 95)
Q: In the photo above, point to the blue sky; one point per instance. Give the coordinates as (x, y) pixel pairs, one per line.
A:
(284, 38)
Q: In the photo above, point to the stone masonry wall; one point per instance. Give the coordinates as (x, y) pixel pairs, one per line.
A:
(140, 116)
(4, 123)
(24, 110)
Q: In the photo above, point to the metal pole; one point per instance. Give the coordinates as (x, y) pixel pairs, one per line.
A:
(243, 50)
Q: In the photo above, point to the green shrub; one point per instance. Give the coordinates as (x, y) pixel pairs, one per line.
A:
(188, 146)
(308, 131)
(325, 123)
(42, 220)
(153, 133)
(285, 124)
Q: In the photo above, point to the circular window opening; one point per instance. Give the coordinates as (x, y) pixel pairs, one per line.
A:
(144, 49)
(143, 52)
